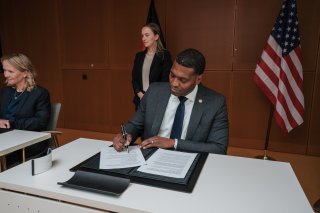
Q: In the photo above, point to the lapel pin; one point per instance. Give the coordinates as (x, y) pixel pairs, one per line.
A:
(200, 101)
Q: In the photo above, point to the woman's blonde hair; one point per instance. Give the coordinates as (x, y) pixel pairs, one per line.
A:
(22, 63)
(156, 30)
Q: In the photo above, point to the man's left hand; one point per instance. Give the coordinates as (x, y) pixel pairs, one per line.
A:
(157, 141)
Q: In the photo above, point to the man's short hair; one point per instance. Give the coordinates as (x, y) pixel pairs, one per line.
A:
(192, 58)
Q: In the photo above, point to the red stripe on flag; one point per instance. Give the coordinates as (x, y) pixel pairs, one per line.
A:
(284, 104)
(294, 72)
(268, 71)
(291, 93)
(280, 121)
(272, 53)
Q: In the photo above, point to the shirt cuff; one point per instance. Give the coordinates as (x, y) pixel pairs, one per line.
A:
(175, 143)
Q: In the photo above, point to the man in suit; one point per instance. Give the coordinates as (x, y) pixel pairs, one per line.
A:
(205, 117)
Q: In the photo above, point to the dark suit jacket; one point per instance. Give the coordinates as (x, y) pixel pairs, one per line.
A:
(33, 114)
(33, 110)
(208, 126)
(159, 71)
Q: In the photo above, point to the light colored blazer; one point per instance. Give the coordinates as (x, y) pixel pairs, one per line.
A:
(208, 127)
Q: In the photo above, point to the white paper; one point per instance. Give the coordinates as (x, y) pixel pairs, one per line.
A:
(169, 163)
(111, 159)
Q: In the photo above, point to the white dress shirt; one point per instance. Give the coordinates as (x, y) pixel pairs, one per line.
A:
(167, 122)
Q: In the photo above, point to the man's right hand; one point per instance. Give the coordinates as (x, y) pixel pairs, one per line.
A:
(119, 143)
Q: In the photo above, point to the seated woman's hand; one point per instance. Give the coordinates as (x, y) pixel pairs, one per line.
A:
(4, 123)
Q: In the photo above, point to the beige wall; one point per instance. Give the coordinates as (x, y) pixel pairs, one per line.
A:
(84, 50)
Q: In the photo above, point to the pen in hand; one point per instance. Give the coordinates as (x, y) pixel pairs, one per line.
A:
(124, 136)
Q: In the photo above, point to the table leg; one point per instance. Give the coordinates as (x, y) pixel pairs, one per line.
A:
(3, 164)
(23, 155)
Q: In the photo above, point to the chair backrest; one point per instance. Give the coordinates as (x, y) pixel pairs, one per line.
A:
(55, 111)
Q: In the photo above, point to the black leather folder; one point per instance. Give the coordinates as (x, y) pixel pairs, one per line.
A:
(185, 184)
(96, 182)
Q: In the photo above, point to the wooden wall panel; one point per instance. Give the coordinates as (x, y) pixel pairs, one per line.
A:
(207, 26)
(314, 132)
(121, 95)
(254, 21)
(220, 82)
(86, 100)
(124, 27)
(82, 26)
(309, 26)
(250, 111)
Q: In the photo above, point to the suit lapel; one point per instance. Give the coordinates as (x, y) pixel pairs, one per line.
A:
(161, 105)
(196, 113)
(153, 63)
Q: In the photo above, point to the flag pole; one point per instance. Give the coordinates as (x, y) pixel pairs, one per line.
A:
(266, 142)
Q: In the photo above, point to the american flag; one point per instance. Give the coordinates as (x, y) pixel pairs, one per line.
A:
(279, 71)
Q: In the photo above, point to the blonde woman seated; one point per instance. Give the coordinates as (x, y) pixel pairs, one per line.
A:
(23, 104)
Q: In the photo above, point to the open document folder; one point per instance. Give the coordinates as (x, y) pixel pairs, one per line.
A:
(162, 162)
(161, 178)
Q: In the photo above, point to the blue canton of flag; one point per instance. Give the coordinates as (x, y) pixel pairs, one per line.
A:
(285, 30)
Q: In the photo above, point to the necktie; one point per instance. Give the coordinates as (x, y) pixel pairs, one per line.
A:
(178, 120)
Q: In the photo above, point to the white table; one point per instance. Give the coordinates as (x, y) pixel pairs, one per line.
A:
(19, 139)
(226, 184)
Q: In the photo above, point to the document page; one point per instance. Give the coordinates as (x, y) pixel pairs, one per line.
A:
(168, 163)
(111, 159)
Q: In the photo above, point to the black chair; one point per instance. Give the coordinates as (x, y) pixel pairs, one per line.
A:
(55, 111)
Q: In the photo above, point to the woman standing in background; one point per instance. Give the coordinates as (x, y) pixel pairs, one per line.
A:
(151, 65)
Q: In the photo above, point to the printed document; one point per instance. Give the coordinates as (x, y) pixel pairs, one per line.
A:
(169, 163)
(111, 159)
